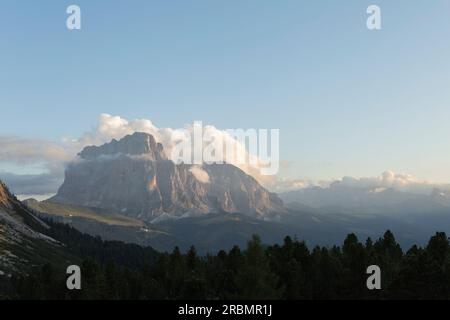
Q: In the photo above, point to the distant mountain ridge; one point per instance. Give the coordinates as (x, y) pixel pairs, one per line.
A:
(133, 176)
(370, 200)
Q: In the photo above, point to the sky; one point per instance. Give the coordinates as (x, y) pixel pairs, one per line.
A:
(348, 101)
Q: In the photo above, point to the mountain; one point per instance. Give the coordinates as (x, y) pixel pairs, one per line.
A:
(339, 209)
(128, 190)
(134, 177)
(23, 243)
(348, 197)
(412, 222)
(369, 200)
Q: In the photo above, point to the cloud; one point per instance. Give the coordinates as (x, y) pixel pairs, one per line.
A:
(31, 184)
(285, 185)
(30, 151)
(22, 154)
(53, 156)
(387, 180)
(200, 174)
(390, 180)
(115, 127)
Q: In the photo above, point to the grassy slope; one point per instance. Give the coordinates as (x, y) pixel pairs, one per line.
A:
(68, 211)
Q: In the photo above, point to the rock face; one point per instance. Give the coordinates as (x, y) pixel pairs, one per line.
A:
(4, 196)
(133, 145)
(134, 176)
(21, 240)
(14, 214)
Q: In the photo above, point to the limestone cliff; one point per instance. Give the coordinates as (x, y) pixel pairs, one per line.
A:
(135, 177)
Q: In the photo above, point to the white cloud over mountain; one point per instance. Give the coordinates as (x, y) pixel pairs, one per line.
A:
(52, 157)
(115, 127)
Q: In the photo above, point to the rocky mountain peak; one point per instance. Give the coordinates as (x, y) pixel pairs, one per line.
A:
(152, 187)
(138, 143)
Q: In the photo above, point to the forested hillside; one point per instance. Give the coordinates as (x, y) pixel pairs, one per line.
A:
(114, 270)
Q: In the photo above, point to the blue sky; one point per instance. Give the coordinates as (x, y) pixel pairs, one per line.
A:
(348, 101)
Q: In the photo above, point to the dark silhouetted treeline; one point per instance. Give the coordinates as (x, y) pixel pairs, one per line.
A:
(131, 256)
(288, 271)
